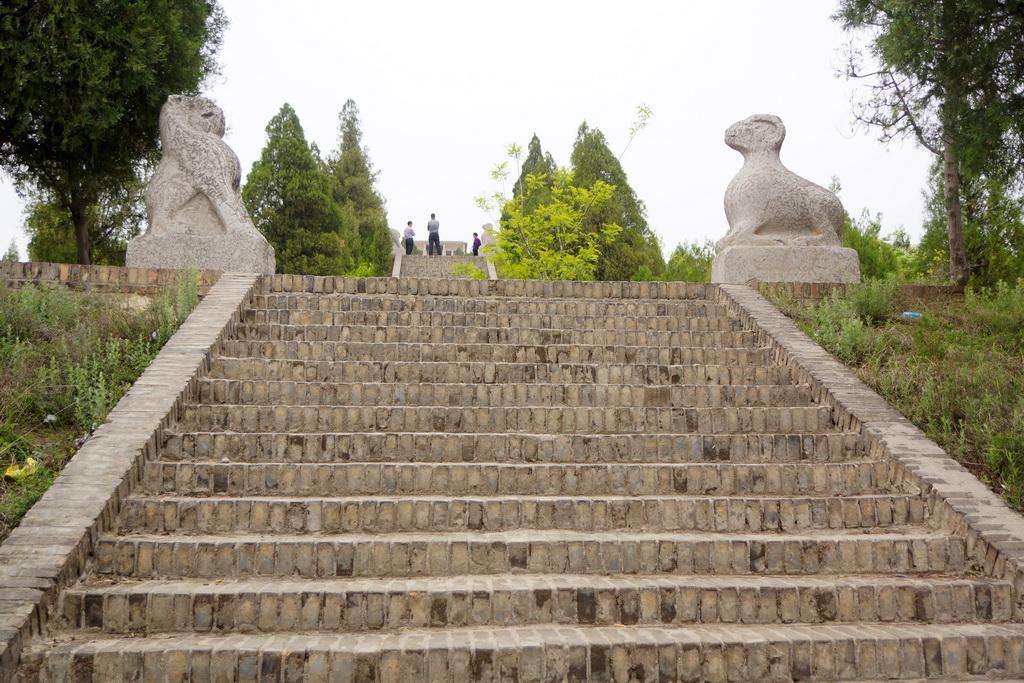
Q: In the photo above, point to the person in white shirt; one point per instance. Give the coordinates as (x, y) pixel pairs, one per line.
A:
(407, 237)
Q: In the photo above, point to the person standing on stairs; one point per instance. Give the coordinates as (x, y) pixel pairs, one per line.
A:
(476, 244)
(407, 238)
(433, 236)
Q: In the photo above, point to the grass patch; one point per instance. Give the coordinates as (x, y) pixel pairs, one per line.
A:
(66, 358)
(957, 372)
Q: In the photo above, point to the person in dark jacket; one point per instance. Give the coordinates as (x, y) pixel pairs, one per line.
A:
(476, 245)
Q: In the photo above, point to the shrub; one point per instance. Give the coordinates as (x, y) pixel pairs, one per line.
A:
(468, 270)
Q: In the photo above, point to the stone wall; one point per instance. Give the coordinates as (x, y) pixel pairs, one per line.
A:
(816, 291)
(102, 279)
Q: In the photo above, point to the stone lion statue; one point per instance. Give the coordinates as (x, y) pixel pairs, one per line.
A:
(766, 203)
(196, 215)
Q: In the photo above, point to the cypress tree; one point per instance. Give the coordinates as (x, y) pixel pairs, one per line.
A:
(636, 246)
(289, 195)
(353, 179)
(536, 162)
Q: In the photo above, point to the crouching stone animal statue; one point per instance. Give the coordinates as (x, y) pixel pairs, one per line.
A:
(782, 228)
(196, 216)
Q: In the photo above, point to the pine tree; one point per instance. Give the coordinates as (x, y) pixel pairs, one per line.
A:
(636, 246)
(536, 163)
(353, 179)
(289, 195)
(12, 253)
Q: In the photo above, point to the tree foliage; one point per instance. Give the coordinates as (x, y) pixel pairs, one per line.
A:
(115, 218)
(290, 196)
(947, 73)
(993, 229)
(538, 163)
(550, 240)
(353, 189)
(83, 83)
(637, 245)
(11, 254)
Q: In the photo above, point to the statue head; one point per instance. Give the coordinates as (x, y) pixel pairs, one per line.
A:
(758, 133)
(197, 113)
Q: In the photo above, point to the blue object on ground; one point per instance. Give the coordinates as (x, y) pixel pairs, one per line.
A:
(910, 315)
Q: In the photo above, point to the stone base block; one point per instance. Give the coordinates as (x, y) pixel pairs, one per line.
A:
(741, 263)
(229, 252)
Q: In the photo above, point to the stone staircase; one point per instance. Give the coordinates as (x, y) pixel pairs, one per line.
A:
(423, 266)
(605, 482)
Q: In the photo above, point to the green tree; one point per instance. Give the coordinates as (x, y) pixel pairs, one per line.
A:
(548, 240)
(993, 229)
(12, 253)
(116, 217)
(636, 245)
(353, 189)
(880, 257)
(83, 84)
(690, 262)
(948, 74)
(537, 163)
(289, 195)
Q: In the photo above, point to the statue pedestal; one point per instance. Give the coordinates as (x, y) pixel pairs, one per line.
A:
(739, 264)
(228, 252)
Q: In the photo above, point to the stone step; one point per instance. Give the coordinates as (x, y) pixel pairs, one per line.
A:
(225, 367)
(389, 514)
(516, 419)
(268, 392)
(664, 323)
(494, 305)
(712, 653)
(367, 605)
(491, 335)
(833, 552)
(496, 353)
(495, 478)
(418, 265)
(525, 448)
(444, 287)
(556, 652)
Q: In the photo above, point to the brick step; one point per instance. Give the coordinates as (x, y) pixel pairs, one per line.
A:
(442, 287)
(496, 353)
(862, 551)
(525, 448)
(272, 392)
(713, 653)
(530, 419)
(366, 605)
(225, 367)
(495, 478)
(663, 323)
(493, 305)
(388, 514)
(491, 335)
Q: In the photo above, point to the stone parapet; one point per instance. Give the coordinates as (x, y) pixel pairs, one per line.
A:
(816, 291)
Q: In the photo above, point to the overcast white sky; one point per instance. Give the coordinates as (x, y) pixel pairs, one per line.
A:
(443, 87)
